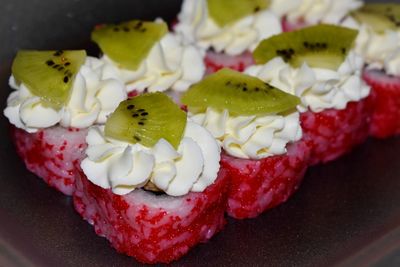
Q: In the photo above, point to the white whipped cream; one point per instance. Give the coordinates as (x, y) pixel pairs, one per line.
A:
(392, 63)
(315, 11)
(379, 50)
(93, 97)
(251, 137)
(169, 65)
(318, 89)
(196, 26)
(124, 167)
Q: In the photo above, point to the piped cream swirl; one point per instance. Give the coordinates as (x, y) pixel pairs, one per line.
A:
(251, 137)
(169, 65)
(315, 11)
(379, 50)
(318, 88)
(124, 167)
(94, 95)
(196, 26)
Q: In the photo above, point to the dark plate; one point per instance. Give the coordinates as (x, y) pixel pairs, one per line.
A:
(346, 212)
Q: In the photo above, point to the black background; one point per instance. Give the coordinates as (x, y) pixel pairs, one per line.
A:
(346, 212)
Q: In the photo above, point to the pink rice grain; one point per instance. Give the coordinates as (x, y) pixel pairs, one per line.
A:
(52, 154)
(215, 61)
(385, 120)
(259, 185)
(332, 133)
(151, 228)
(288, 26)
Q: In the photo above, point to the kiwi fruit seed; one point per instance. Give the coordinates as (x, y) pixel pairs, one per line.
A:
(379, 17)
(146, 119)
(128, 43)
(48, 74)
(224, 12)
(321, 46)
(239, 93)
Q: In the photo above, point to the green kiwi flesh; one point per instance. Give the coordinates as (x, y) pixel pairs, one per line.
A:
(224, 12)
(321, 46)
(146, 119)
(380, 17)
(129, 43)
(48, 74)
(239, 93)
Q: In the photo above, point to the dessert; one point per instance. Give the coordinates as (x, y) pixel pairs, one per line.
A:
(227, 30)
(379, 44)
(303, 13)
(149, 180)
(259, 130)
(153, 190)
(318, 65)
(58, 94)
(146, 57)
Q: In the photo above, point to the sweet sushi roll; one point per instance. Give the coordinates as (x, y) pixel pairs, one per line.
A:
(302, 13)
(378, 43)
(227, 30)
(319, 65)
(148, 58)
(57, 96)
(151, 181)
(259, 130)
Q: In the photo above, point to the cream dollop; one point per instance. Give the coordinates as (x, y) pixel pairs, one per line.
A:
(251, 137)
(124, 167)
(196, 26)
(319, 89)
(315, 11)
(170, 64)
(94, 95)
(392, 63)
(379, 50)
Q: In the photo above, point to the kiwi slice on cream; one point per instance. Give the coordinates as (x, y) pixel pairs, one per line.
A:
(48, 74)
(146, 119)
(380, 17)
(224, 12)
(129, 43)
(321, 46)
(239, 93)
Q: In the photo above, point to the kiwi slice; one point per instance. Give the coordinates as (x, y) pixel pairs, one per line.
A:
(224, 12)
(239, 93)
(128, 43)
(321, 46)
(48, 74)
(146, 119)
(379, 17)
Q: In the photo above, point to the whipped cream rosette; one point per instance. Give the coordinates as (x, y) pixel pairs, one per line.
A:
(57, 96)
(259, 130)
(150, 161)
(319, 65)
(378, 43)
(303, 13)
(149, 58)
(227, 30)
